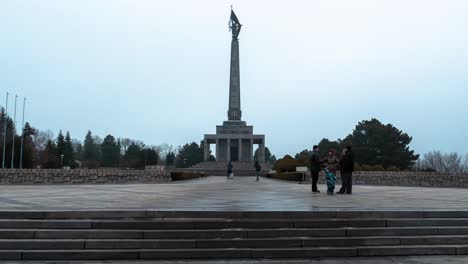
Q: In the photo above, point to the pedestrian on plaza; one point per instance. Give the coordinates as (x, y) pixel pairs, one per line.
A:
(315, 163)
(258, 168)
(229, 169)
(347, 168)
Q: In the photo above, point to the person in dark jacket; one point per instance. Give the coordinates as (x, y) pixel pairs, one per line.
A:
(229, 169)
(315, 163)
(347, 168)
(258, 168)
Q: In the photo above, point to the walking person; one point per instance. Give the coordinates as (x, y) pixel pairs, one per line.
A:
(315, 163)
(258, 168)
(347, 168)
(229, 169)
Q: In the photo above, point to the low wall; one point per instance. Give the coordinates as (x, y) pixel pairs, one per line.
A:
(81, 176)
(406, 178)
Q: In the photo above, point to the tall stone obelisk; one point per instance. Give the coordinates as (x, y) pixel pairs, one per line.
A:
(234, 112)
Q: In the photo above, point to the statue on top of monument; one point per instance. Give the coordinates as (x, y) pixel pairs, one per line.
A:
(234, 25)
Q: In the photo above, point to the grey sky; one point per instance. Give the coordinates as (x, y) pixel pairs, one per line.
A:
(158, 70)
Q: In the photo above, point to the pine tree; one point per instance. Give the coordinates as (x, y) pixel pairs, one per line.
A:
(90, 152)
(110, 152)
(69, 155)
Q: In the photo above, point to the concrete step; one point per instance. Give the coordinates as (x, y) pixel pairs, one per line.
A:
(231, 253)
(289, 242)
(145, 214)
(227, 233)
(224, 223)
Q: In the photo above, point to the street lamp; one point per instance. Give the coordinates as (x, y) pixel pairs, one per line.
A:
(61, 158)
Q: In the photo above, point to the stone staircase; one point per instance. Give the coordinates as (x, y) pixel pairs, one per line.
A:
(150, 235)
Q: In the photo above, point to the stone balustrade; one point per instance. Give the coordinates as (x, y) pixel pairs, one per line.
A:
(82, 176)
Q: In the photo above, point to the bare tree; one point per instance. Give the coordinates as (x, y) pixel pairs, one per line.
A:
(443, 162)
(41, 137)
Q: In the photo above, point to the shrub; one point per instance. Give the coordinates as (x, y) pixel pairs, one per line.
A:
(357, 167)
(288, 176)
(393, 168)
(378, 168)
(366, 167)
(286, 164)
(182, 175)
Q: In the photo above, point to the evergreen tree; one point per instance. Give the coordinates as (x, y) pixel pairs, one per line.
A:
(374, 143)
(134, 157)
(151, 156)
(90, 152)
(267, 155)
(60, 144)
(51, 159)
(110, 152)
(189, 154)
(170, 158)
(69, 154)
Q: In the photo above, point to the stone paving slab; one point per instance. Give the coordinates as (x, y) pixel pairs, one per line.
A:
(219, 194)
(385, 260)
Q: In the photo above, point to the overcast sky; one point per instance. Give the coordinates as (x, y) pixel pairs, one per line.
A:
(158, 71)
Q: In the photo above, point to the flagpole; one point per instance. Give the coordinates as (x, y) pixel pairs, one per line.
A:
(14, 134)
(5, 130)
(22, 135)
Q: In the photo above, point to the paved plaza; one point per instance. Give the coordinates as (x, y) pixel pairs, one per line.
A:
(386, 260)
(219, 194)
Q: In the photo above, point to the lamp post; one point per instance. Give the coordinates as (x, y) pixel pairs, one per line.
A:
(13, 136)
(5, 130)
(22, 136)
(61, 159)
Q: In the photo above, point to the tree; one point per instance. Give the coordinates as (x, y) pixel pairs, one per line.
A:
(60, 144)
(50, 156)
(189, 155)
(303, 157)
(170, 158)
(442, 162)
(134, 157)
(267, 155)
(90, 152)
(151, 156)
(377, 144)
(110, 152)
(325, 145)
(68, 152)
(28, 147)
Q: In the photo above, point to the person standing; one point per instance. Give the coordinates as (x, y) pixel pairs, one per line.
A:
(315, 163)
(331, 166)
(258, 168)
(347, 168)
(229, 169)
(331, 161)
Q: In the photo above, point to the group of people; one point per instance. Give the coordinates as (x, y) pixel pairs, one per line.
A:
(330, 165)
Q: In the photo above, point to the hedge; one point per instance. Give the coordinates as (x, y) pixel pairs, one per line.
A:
(287, 176)
(182, 175)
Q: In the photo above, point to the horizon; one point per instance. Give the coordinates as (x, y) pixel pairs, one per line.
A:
(159, 72)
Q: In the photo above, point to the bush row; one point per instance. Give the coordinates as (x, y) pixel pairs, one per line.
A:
(286, 176)
(182, 175)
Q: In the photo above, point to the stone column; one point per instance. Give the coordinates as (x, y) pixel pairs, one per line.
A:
(217, 150)
(240, 150)
(234, 112)
(228, 156)
(206, 150)
(261, 152)
(251, 150)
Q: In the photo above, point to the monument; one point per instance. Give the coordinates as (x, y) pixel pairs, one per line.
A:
(234, 140)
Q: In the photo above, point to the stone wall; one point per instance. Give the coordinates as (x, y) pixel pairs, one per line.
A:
(406, 178)
(81, 176)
